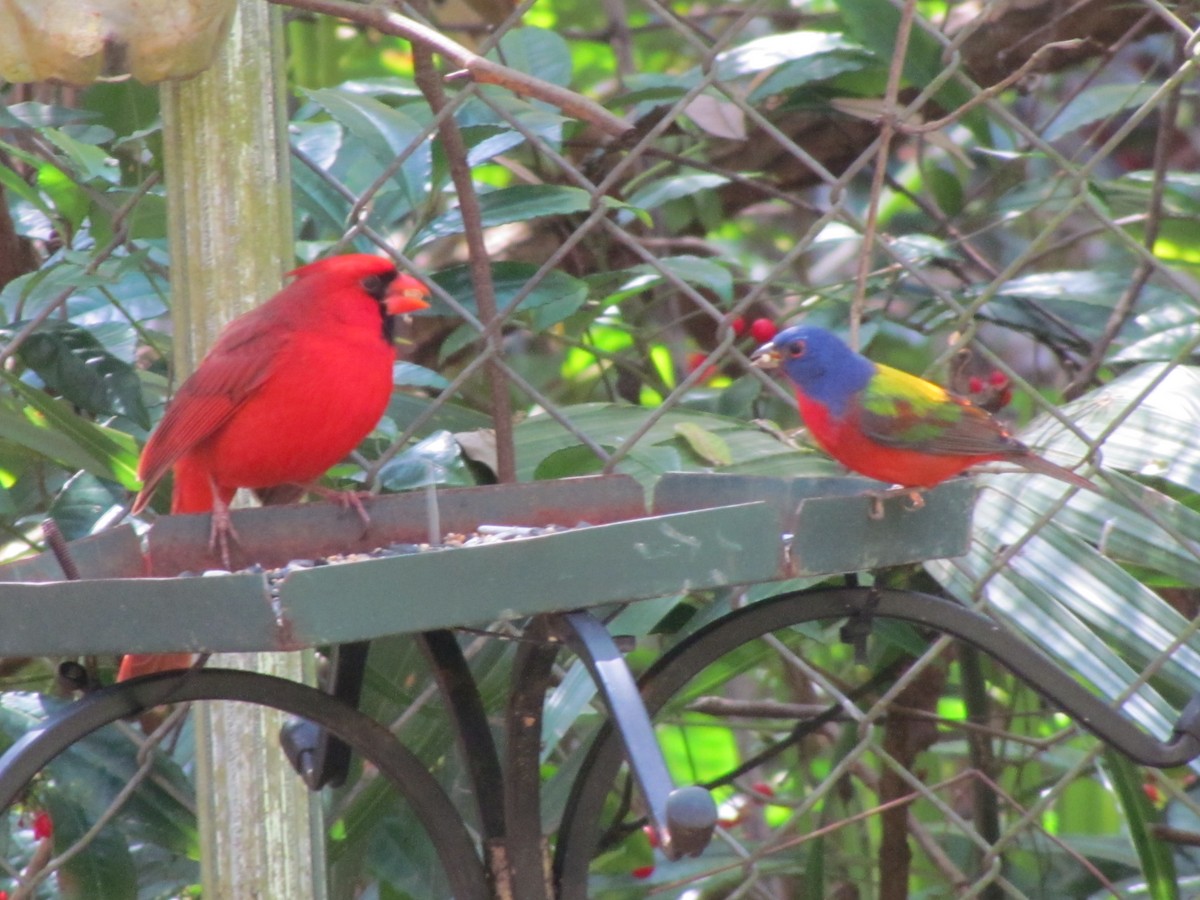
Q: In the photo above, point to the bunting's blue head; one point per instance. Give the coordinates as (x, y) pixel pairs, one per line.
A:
(822, 367)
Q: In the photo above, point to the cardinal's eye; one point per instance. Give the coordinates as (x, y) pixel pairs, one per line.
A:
(376, 285)
(796, 349)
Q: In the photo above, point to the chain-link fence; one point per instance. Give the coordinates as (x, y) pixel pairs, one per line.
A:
(615, 204)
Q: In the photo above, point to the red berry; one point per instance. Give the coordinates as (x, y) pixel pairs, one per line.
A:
(1005, 397)
(696, 360)
(43, 826)
(1153, 794)
(738, 325)
(642, 872)
(998, 379)
(762, 789)
(975, 385)
(763, 330)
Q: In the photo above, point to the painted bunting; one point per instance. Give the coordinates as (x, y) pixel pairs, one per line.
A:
(887, 424)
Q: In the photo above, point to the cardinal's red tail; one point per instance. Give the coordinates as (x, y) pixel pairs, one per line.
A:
(135, 664)
(192, 494)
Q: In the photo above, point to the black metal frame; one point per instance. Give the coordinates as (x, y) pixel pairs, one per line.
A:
(507, 794)
(580, 829)
(406, 773)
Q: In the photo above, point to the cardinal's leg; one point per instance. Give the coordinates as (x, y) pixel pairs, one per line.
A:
(221, 529)
(345, 499)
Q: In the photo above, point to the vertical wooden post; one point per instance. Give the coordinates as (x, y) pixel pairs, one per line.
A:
(229, 208)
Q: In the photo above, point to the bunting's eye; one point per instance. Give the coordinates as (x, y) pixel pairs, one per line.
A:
(796, 349)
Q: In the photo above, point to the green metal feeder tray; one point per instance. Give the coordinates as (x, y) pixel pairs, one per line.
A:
(705, 531)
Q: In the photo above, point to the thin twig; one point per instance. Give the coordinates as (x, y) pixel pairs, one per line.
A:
(1125, 304)
(481, 271)
(993, 90)
(478, 68)
(887, 130)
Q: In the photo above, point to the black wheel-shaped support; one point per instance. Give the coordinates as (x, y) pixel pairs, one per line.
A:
(456, 849)
(582, 823)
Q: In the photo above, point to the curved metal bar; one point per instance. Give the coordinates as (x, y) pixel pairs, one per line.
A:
(679, 834)
(456, 850)
(319, 758)
(471, 729)
(579, 831)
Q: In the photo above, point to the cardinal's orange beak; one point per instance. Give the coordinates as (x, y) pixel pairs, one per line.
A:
(404, 295)
(766, 357)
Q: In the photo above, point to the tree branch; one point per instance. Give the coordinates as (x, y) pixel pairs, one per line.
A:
(476, 67)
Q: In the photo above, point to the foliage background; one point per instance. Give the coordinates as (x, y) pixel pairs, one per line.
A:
(964, 192)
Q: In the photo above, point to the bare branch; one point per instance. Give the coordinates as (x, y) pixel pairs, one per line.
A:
(476, 67)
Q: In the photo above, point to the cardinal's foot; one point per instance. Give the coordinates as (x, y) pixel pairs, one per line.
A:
(346, 500)
(220, 532)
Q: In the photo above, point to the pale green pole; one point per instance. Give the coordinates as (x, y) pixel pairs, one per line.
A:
(230, 227)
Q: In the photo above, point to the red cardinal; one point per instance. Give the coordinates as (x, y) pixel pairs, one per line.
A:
(289, 389)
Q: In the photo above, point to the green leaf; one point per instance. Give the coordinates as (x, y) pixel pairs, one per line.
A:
(569, 462)
(489, 129)
(875, 25)
(404, 408)
(1097, 104)
(694, 270)
(556, 290)
(776, 50)
(52, 430)
(8, 120)
(320, 143)
(408, 374)
(1155, 855)
(1159, 433)
(708, 446)
(663, 190)
(797, 58)
(1160, 333)
(19, 187)
(947, 187)
(922, 249)
(1080, 606)
(83, 502)
(73, 363)
(386, 133)
(46, 285)
(104, 868)
(536, 51)
(610, 424)
(69, 200)
(91, 164)
(32, 114)
(1079, 285)
(801, 73)
(648, 90)
(514, 204)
